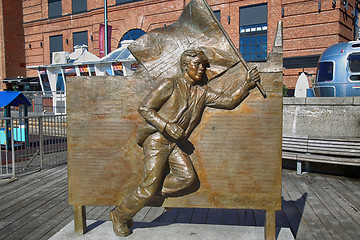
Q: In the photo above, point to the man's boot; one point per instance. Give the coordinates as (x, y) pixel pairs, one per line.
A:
(120, 224)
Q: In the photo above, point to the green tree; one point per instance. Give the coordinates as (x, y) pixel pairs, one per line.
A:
(285, 89)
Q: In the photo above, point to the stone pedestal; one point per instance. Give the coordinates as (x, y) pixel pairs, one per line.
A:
(176, 231)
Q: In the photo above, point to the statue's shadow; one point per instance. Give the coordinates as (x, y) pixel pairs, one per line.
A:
(289, 217)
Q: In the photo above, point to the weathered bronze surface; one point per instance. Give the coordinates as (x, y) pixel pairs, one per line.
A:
(236, 154)
(172, 110)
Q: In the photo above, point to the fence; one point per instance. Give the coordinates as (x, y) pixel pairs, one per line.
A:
(49, 102)
(32, 143)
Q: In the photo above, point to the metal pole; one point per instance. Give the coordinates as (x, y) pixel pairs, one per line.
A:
(41, 141)
(7, 110)
(12, 150)
(1, 164)
(106, 27)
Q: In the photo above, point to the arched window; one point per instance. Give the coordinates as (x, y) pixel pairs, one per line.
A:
(132, 34)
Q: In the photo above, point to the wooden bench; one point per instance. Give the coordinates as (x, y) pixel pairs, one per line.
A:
(343, 151)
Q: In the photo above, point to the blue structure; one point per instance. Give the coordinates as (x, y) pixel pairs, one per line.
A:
(16, 99)
(338, 73)
(10, 98)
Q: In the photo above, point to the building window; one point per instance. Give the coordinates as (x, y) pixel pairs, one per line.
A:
(354, 62)
(79, 6)
(218, 15)
(132, 34)
(56, 44)
(253, 32)
(55, 9)
(126, 1)
(325, 71)
(80, 38)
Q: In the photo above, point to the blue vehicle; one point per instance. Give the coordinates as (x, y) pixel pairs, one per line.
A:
(338, 72)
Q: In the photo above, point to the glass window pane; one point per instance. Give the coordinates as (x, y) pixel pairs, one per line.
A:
(126, 1)
(264, 48)
(79, 6)
(56, 43)
(355, 77)
(55, 9)
(254, 45)
(125, 54)
(242, 49)
(354, 62)
(251, 15)
(132, 34)
(253, 40)
(253, 49)
(258, 39)
(218, 15)
(80, 38)
(60, 83)
(264, 38)
(44, 80)
(242, 41)
(253, 31)
(325, 71)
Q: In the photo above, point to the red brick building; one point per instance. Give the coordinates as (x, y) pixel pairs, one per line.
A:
(310, 26)
(12, 51)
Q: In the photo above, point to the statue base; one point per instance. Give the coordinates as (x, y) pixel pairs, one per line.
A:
(155, 231)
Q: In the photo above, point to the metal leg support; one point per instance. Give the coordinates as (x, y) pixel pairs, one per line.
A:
(298, 167)
(270, 233)
(80, 219)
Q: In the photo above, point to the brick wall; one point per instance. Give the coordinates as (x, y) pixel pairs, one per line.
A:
(307, 31)
(11, 40)
(2, 48)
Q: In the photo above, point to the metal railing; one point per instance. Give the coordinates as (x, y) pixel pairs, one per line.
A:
(32, 143)
(49, 102)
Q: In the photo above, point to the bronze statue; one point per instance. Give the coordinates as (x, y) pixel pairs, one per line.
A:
(172, 111)
(238, 153)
